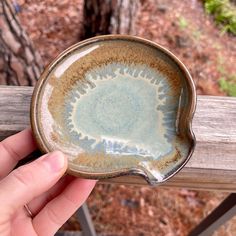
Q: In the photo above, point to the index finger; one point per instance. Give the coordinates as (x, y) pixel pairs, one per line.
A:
(62, 207)
(15, 148)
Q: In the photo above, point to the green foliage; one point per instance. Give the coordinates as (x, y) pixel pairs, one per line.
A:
(183, 23)
(212, 6)
(224, 12)
(228, 86)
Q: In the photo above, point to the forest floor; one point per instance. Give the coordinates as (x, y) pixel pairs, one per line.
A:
(185, 29)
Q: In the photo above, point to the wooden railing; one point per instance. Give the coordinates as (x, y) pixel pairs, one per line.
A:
(213, 164)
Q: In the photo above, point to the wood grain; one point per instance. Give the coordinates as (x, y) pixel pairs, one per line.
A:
(213, 164)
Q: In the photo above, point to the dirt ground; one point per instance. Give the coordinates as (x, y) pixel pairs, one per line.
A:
(183, 28)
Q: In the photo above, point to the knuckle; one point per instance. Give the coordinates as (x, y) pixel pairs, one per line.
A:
(9, 150)
(54, 216)
(69, 200)
(23, 176)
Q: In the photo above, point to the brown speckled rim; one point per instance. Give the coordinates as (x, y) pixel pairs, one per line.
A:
(42, 144)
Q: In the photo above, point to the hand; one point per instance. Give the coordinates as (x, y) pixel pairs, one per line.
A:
(51, 198)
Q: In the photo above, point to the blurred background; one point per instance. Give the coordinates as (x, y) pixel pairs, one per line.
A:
(201, 33)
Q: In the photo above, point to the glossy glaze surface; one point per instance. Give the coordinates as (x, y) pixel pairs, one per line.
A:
(116, 105)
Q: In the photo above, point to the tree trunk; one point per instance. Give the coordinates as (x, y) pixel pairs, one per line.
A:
(20, 64)
(124, 17)
(110, 17)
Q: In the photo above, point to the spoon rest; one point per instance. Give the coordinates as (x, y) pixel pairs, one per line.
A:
(116, 105)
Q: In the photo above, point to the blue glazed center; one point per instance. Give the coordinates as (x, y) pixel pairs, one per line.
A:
(120, 113)
(117, 111)
(111, 108)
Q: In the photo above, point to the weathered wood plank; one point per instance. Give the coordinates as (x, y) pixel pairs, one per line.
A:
(14, 109)
(213, 164)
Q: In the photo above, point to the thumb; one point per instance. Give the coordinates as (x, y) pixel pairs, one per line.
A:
(27, 182)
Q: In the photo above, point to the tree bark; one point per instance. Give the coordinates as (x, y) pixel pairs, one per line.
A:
(97, 17)
(124, 17)
(20, 64)
(110, 17)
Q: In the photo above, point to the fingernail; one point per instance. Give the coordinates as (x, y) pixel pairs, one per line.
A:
(54, 161)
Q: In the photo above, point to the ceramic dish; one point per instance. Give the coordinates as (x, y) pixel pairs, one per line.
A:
(116, 105)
